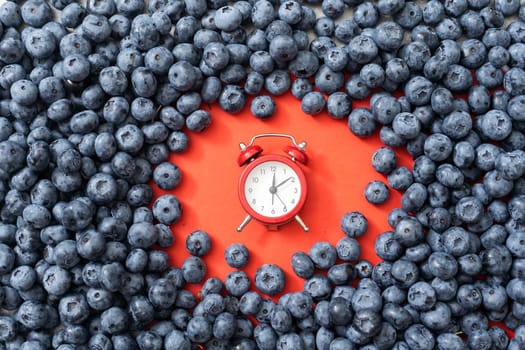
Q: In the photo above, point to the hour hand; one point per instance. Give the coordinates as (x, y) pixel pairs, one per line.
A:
(283, 182)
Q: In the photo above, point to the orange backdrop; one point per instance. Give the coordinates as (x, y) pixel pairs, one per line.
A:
(338, 170)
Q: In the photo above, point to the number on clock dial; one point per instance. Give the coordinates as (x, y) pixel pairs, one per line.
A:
(272, 189)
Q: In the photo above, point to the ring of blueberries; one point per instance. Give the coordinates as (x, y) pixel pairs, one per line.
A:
(95, 95)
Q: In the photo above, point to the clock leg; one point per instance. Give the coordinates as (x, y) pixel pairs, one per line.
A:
(244, 223)
(301, 223)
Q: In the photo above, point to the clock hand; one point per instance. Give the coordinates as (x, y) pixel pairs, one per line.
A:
(279, 198)
(273, 189)
(283, 182)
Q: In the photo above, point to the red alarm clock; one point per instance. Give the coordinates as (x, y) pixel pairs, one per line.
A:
(272, 187)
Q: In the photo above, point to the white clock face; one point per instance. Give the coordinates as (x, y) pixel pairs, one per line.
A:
(272, 189)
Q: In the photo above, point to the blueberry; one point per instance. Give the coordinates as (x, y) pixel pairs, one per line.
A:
(304, 65)
(372, 75)
(486, 155)
(10, 14)
(390, 138)
(514, 53)
(346, 30)
(193, 269)
(237, 283)
(224, 326)
(338, 105)
(362, 49)
(499, 338)
(250, 303)
(211, 89)
(384, 160)
(405, 273)
(99, 299)
(198, 243)
(336, 59)
(158, 59)
(101, 188)
(24, 92)
(515, 206)
(199, 329)
(511, 81)
(361, 122)
(277, 82)
(37, 216)
(327, 80)
(142, 234)
(140, 195)
(387, 247)
(289, 341)
(313, 103)
(323, 255)
(167, 209)
(262, 107)
(489, 75)
(366, 15)
(318, 286)
(162, 293)
(354, 224)
(469, 209)
(113, 320)
(23, 278)
(167, 175)
(262, 62)
(376, 192)
(198, 120)
(498, 57)
(232, 99)
(148, 339)
(154, 134)
(302, 265)
(458, 78)
(265, 336)
(236, 255)
(177, 141)
(137, 260)
(158, 261)
(228, 18)
(73, 308)
(281, 319)
(269, 279)
(367, 322)
(427, 34)
(282, 48)
(442, 101)
(409, 16)
(450, 176)
(389, 7)
(265, 309)
(341, 274)
(216, 56)
(112, 273)
(91, 244)
(477, 53)
(36, 13)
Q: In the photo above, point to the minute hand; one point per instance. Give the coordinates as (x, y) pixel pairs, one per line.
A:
(283, 182)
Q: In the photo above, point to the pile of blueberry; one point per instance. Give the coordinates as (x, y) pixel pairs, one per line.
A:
(95, 95)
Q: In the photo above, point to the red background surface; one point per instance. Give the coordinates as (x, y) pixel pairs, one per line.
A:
(338, 170)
